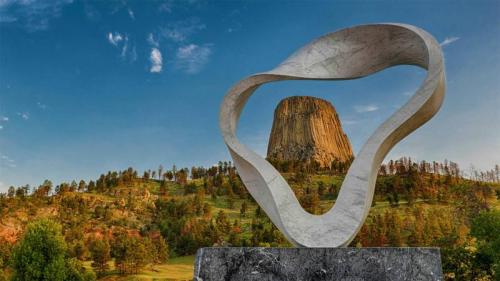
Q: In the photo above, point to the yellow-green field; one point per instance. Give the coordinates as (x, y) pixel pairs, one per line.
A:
(180, 268)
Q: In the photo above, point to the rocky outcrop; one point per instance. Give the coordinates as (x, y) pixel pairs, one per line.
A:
(308, 129)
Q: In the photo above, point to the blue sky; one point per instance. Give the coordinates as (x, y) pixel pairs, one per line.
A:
(87, 87)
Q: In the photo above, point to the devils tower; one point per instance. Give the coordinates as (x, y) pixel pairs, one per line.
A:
(308, 129)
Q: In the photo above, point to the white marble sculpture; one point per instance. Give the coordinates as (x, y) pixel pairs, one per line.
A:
(346, 54)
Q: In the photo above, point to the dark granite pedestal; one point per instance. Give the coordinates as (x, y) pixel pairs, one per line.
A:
(342, 264)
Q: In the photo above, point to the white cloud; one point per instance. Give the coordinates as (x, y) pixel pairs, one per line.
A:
(133, 54)
(180, 31)
(33, 15)
(123, 54)
(166, 7)
(366, 108)
(191, 58)
(131, 13)
(174, 34)
(24, 115)
(349, 122)
(152, 41)
(41, 105)
(1, 127)
(156, 60)
(128, 49)
(4, 118)
(115, 38)
(407, 94)
(448, 41)
(7, 161)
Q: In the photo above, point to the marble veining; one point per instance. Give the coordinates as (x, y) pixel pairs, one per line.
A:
(349, 53)
(366, 264)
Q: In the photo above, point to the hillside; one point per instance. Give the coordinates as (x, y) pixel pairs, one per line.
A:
(415, 205)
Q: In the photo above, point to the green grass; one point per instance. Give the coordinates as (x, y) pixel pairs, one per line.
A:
(180, 268)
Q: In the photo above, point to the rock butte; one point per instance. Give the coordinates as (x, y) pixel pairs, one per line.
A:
(308, 129)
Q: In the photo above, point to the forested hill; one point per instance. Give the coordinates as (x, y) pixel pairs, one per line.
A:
(129, 223)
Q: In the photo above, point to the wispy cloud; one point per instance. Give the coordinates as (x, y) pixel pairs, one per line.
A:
(24, 115)
(32, 15)
(6, 161)
(131, 13)
(166, 7)
(7, 18)
(115, 38)
(191, 58)
(156, 61)
(124, 51)
(349, 122)
(366, 108)
(407, 94)
(41, 105)
(3, 119)
(133, 54)
(234, 18)
(152, 41)
(448, 41)
(91, 12)
(180, 31)
(127, 49)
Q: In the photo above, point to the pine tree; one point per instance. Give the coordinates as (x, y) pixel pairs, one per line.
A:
(100, 254)
(222, 222)
(243, 209)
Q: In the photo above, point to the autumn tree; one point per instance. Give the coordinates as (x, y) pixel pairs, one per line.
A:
(222, 222)
(162, 250)
(100, 254)
(5, 252)
(131, 253)
(160, 171)
(310, 201)
(243, 209)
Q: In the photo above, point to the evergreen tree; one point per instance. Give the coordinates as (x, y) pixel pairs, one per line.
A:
(222, 222)
(100, 254)
(243, 209)
(162, 249)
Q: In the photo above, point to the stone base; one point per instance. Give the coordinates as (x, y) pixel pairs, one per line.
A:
(343, 264)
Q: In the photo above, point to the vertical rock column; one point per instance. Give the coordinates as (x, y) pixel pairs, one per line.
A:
(308, 129)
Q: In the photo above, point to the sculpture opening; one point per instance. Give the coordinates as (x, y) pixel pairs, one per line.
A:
(346, 54)
(307, 136)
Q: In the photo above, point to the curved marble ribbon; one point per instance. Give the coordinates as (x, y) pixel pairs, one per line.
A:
(346, 54)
